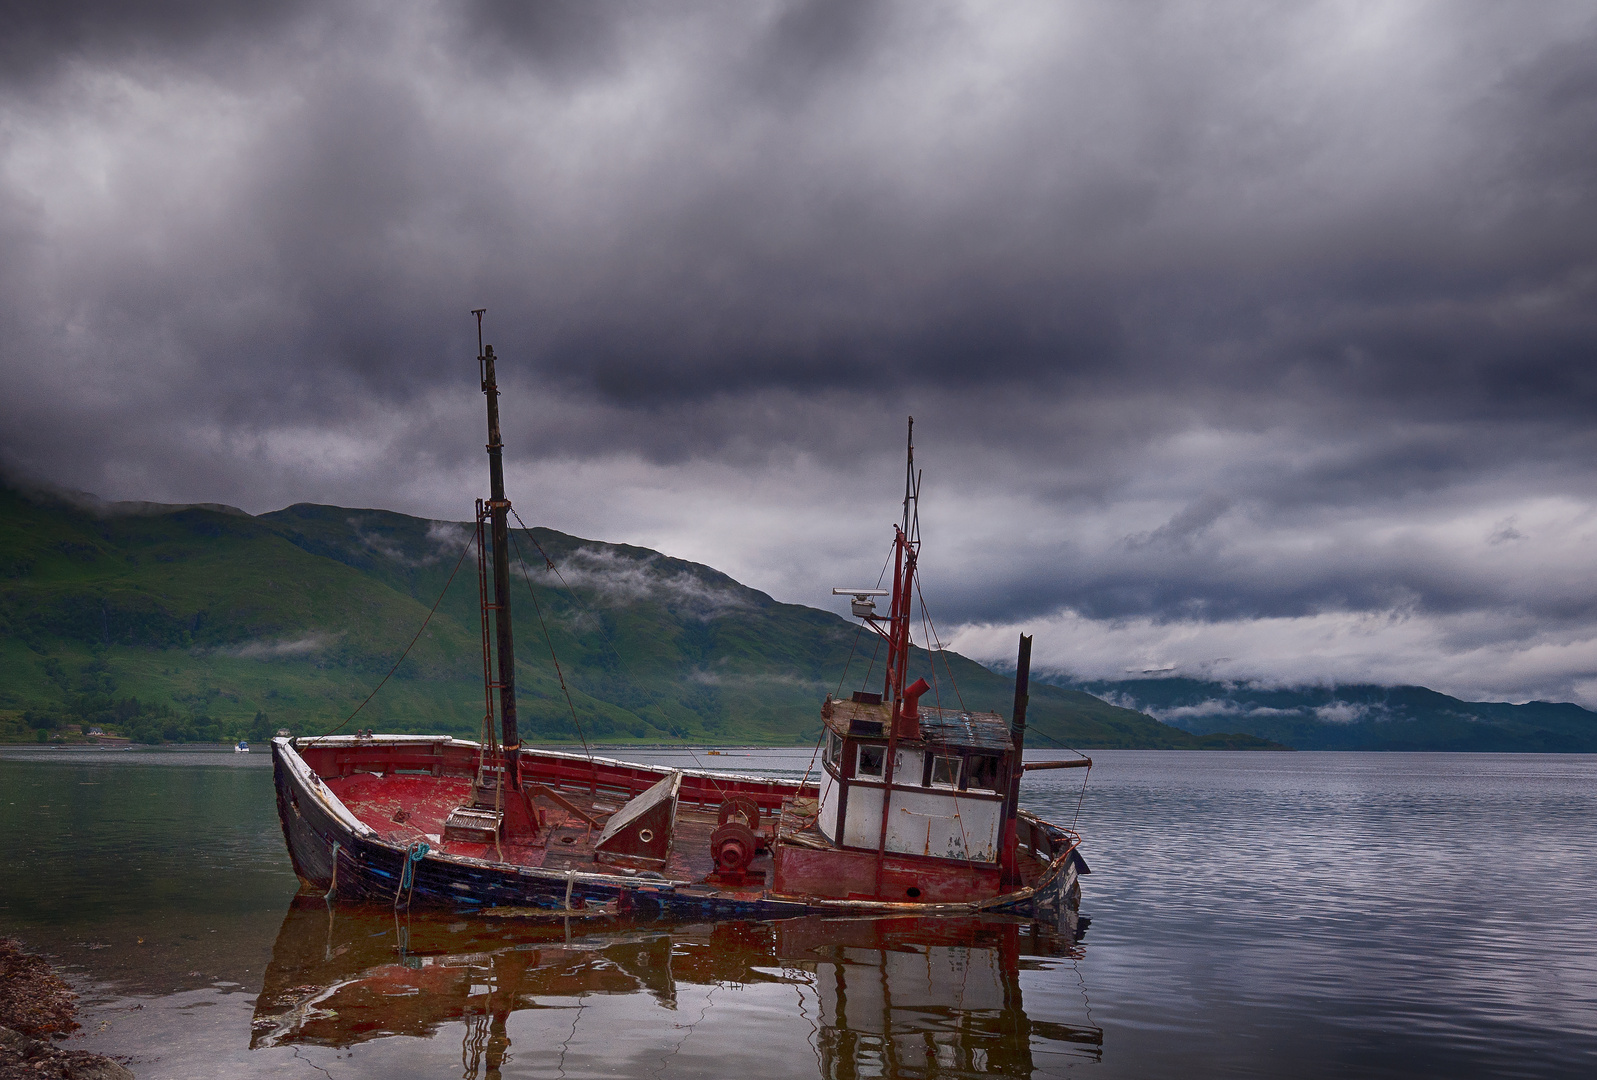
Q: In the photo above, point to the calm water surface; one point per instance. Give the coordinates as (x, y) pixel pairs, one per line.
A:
(1252, 915)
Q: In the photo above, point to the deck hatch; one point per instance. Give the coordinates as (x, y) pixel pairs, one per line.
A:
(640, 832)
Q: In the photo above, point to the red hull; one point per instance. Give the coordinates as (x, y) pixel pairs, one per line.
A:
(365, 818)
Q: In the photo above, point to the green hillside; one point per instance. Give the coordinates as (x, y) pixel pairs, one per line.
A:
(203, 623)
(1359, 717)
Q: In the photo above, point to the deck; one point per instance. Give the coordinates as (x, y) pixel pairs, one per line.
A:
(403, 809)
(404, 789)
(398, 791)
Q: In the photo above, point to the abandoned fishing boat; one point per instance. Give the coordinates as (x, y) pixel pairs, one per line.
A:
(915, 808)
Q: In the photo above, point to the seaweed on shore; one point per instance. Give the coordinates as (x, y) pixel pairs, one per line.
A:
(33, 999)
(37, 1007)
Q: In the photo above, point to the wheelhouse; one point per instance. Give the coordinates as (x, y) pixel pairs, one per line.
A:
(935, 786)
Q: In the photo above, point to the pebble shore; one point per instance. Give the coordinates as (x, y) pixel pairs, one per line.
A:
(38, 1010)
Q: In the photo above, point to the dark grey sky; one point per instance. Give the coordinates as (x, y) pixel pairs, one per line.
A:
(1246, 339)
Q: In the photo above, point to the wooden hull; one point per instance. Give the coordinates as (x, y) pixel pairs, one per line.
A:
(359, 818)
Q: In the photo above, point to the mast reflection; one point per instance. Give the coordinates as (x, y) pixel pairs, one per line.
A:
(906, 997)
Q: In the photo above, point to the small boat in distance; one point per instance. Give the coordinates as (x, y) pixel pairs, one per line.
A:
(916, 810)
(242, 747)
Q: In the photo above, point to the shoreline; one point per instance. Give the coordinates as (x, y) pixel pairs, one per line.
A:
(38, 1011)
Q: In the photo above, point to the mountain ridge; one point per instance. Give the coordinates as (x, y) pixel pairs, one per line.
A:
(200, 622)
(1357, 716)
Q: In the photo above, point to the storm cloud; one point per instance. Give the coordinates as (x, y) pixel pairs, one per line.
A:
(1247, 339)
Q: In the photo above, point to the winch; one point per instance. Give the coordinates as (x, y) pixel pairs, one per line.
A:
(736, 840)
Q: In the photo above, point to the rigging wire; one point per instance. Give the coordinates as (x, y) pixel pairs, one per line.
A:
(853, 646)
(550, 565)
(538, 608)
(412, 645)
(861, 630)
(603, 633)
(805, 779)
(931, 657)
(1085, 776)
(877, 651)
(1038, 731)
(872, 665)
(932, 631)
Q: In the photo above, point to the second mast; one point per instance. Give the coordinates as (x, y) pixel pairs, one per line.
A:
(499, 513)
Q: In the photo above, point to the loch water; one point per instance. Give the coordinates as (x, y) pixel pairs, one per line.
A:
(1252, 914)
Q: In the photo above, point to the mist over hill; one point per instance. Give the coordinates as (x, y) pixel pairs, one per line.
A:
(202, 623)
(1358, 717)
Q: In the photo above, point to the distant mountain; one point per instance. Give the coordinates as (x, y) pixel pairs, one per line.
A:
(202, 622)
(1355, 717)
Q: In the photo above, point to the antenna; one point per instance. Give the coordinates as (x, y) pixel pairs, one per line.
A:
(481, 373)
(909, 475)
(863, 606)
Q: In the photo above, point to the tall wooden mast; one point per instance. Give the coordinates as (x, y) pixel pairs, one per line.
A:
(499, 511)
(906, 546)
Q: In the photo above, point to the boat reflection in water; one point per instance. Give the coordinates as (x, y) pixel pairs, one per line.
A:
(910, 997)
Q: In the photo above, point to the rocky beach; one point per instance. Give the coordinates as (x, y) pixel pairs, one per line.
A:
(37, 1011)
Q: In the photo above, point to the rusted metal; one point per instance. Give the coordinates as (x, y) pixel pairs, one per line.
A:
(739, 807)
(736, 840)
(950, 727)
(733, 846)
(1073, 763)
(641, 831)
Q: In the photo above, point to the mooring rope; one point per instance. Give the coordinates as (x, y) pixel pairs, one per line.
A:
(414, 854)
(332, 886)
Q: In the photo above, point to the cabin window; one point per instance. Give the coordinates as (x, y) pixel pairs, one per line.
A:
(871, 761)
(982, 773)
(834, 750)
(945, 771)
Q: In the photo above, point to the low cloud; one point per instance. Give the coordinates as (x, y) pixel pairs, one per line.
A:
(281, 649)
(746, 680)
(621, 580)
(1342, 712)
(1473, 655)
(1215, 707)
(444, 540)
